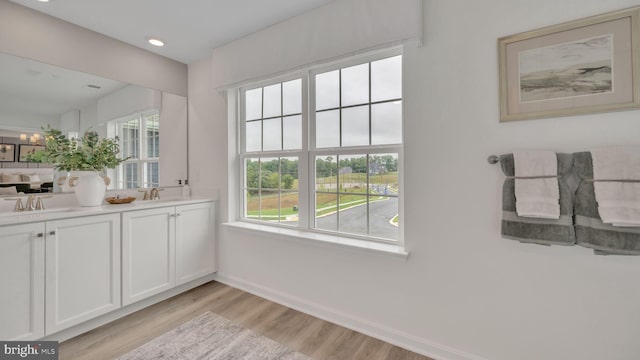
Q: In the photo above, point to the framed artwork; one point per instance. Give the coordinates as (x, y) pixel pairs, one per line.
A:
(580, 67)
(25, 150)
(7, 153)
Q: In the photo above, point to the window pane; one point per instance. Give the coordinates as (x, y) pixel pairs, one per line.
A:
(353, 214)
(292, 97)
(272, 101)
(386, 123)
(386, 79)
(353, 173)
(289, 208)
(269, 173)
(152, 125)
(292, 132)
(152, 178)
(129, 137)
(271, 134)
(383, 221)
(289, 173)
(130, 175)
(252, 204)
(269, 205)
(254, 136)
(355, 85)
(253, 104)
(328, 128)
(252, 173)
(326, 170)
(355, 126)
(326, 211)
(328, 90)
(383, 174)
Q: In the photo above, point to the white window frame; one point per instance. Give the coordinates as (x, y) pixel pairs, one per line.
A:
(142, 151)
(308, 153)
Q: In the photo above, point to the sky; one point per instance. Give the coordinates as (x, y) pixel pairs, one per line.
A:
(346, 87)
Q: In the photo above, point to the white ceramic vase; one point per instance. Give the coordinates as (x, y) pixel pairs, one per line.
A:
(89, 187)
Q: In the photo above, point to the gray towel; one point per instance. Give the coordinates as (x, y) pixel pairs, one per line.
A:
(534, 230)
(591, 232)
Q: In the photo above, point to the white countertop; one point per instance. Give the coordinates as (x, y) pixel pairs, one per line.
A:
(14, 218)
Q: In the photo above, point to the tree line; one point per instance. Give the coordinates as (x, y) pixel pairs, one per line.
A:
(325, 167)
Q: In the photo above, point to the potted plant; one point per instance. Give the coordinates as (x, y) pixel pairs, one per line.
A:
(87, 157)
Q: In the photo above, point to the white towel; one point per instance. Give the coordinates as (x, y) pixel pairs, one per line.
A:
(618, 202)
(538, 198)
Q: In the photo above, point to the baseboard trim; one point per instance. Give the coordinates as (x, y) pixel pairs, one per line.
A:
(378, 331)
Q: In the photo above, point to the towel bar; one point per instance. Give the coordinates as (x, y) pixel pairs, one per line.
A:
(533, 177)
(612, 180)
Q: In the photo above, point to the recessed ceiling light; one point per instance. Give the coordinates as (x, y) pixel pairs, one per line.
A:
(44, 0)
(154, 41)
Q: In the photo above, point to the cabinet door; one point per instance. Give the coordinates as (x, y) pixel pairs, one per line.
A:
(148, 253)
(195, 241)
(82, 269)
(22, 282)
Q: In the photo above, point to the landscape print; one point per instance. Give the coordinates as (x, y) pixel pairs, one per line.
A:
(577, 68)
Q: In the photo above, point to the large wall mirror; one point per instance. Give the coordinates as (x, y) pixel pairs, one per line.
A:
(151, 125)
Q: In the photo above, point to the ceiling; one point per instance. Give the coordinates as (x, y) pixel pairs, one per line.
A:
(190, 28)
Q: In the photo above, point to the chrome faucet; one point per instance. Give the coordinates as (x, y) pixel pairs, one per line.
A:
(33, 203)
(30, 204)
(154, 194)
(19, 207)
(39, 203)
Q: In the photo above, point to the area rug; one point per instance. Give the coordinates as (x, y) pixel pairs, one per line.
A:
(210, 336)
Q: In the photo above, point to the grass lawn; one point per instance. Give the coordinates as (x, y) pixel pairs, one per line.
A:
(325, 204)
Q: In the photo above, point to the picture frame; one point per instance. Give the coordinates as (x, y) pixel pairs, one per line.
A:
(25, 150)
(7, 152)
(570, 68)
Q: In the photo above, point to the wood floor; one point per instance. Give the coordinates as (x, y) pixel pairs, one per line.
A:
(316, 338)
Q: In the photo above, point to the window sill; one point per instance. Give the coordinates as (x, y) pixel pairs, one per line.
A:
(397, 251)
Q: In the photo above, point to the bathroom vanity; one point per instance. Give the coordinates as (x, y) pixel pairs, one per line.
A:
(68, 270)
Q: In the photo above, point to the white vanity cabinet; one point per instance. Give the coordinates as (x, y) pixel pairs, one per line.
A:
(82, 269)
(22, 282)
(195, 245)
(73, 264)
(166, 247)
(66, 273)
(148, 243)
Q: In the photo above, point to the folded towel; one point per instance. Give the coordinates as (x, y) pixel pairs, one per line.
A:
(538, 196)
(539, 230)
(591, 232)
(618, 202)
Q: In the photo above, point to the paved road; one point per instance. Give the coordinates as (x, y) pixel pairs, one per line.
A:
(354, 220)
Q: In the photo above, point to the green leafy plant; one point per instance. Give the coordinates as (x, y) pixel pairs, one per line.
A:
(90, 153)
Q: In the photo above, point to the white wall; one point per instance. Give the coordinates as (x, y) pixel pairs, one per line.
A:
(207, 132)
(464, 293)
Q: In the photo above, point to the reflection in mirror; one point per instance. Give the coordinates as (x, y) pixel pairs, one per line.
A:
(34, 95)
